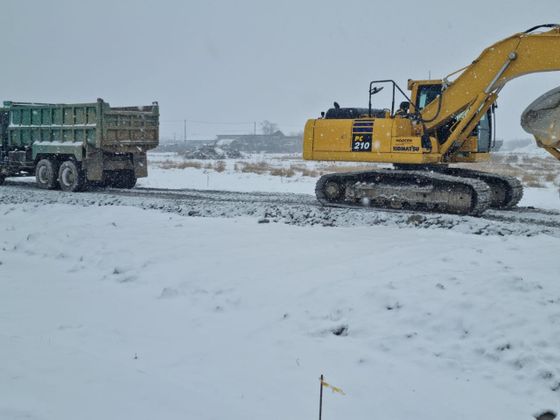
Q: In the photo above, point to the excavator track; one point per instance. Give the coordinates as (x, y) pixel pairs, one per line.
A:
(405, 189)
(507, 191)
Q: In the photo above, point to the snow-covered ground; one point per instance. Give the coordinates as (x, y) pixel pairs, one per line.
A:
(112, 311)
(228, 180)
(544, 198)
(124, 313)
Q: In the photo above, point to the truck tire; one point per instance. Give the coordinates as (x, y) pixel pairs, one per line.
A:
(46, 174)
(71, 177)
(127, 180)
(2, 179)
(120, 179)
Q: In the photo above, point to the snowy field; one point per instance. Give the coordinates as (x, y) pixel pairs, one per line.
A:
(116, 312)
(230, 179)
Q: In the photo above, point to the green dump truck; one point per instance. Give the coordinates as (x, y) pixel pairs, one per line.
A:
(70, 146)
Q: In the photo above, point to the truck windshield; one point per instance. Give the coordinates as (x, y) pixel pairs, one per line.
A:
(426, 94)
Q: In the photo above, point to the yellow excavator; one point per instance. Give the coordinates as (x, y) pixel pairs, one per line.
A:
(444, 121)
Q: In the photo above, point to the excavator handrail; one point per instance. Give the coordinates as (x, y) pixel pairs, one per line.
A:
(395, 85)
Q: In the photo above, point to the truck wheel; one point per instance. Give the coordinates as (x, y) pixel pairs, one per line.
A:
(108, 179)
(71, 176)
(2, 179)
(128, 180)
(46, 174)
(123, 179)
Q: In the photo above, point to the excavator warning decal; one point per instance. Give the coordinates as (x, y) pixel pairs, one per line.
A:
(362, 136)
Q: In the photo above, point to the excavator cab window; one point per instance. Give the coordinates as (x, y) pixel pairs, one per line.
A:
(484, 132)
(426, 94)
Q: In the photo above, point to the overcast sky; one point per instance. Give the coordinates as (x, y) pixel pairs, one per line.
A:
(218, 62)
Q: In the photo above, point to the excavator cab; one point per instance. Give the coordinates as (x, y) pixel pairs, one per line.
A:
(481, 140)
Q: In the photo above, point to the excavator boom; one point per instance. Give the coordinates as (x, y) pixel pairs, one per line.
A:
(478, 85)
(515, 56)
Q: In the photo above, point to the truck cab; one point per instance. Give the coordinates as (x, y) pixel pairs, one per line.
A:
(4, 123)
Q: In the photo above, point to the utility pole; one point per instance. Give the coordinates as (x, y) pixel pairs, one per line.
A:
(185, 129)
(255, 128)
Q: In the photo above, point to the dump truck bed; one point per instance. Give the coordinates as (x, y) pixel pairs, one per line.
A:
(63, 127)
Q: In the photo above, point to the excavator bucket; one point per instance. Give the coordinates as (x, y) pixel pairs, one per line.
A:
(542, 119)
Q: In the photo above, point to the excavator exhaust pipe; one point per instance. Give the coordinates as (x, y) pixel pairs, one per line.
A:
(542, 119)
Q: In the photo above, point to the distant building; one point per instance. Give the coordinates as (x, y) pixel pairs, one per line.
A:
(276, 142)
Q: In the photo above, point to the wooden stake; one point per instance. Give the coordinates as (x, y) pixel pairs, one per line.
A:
(321, 399)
